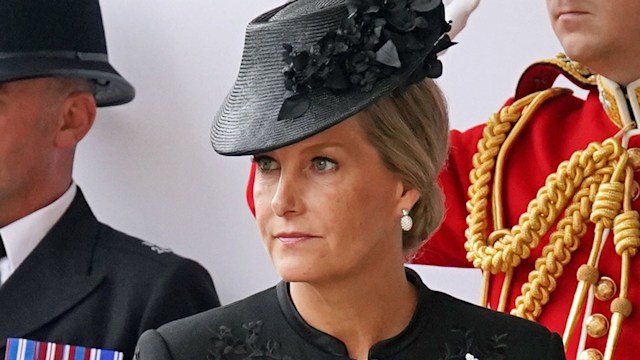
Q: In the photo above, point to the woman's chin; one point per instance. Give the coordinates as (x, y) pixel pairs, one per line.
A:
(291, 271)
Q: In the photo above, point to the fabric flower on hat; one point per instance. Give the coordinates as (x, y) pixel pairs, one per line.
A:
(369, 45)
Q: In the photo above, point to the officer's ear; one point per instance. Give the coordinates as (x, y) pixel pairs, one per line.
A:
(77, 117)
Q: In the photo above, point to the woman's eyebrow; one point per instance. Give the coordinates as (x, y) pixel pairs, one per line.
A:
(325, 145)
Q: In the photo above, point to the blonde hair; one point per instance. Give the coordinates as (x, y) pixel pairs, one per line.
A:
(410, 130)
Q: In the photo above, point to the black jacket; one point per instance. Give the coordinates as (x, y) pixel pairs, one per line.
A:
(267, 326)
(90, 285)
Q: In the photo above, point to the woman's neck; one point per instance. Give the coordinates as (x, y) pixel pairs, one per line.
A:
(359, 310)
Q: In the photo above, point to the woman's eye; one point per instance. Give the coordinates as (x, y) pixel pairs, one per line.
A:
(265, 164)
(324, 164)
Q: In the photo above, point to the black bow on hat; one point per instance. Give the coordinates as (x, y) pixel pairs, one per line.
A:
(40, 38)
(310, 64)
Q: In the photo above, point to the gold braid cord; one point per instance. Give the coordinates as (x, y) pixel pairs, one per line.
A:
(626, 238)
(563, 242)
(572, 191)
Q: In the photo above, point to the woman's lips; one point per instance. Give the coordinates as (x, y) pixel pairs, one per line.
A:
(293, 238)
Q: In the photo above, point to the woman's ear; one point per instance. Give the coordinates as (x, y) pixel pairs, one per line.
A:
(78, 115)
(409, 196)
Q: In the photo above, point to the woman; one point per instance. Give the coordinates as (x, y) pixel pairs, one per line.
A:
(348, 140)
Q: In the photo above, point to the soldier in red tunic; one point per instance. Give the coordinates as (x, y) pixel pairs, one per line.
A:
(551, 188)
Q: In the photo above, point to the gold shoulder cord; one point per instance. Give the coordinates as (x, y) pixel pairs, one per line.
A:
(594, 185)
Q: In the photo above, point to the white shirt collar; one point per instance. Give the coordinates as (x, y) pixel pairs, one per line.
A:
(23, 235)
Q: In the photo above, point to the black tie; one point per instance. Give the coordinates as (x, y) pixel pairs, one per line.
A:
(3, 252)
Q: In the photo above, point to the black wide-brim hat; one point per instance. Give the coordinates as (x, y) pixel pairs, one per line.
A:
(289, 87)
(59, 38)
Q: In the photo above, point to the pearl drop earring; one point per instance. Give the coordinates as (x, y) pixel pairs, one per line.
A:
(406, 222)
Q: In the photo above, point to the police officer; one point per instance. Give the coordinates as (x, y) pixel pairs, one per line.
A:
(66, 277)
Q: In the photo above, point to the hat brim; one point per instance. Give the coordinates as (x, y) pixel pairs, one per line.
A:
(111, 87)
(248, 125)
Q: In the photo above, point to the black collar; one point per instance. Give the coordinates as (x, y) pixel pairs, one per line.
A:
(383, 349)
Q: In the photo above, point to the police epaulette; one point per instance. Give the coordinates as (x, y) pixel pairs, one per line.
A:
(541, 75)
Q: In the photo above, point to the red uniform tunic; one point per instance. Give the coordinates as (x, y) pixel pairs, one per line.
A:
(560, 127)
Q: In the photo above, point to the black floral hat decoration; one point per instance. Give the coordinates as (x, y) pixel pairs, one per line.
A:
(310, 64)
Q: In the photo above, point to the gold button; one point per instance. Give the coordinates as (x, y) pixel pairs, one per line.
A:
(597, 325)
(605, 289)
(634, 158)
(591, 354)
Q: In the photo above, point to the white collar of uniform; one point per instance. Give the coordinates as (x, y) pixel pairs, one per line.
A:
(23, 235)
(622, 103)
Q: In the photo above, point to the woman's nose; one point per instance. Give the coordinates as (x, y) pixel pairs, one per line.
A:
(286, 199)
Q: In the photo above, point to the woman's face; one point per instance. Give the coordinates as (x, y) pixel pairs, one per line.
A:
(327, 207)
